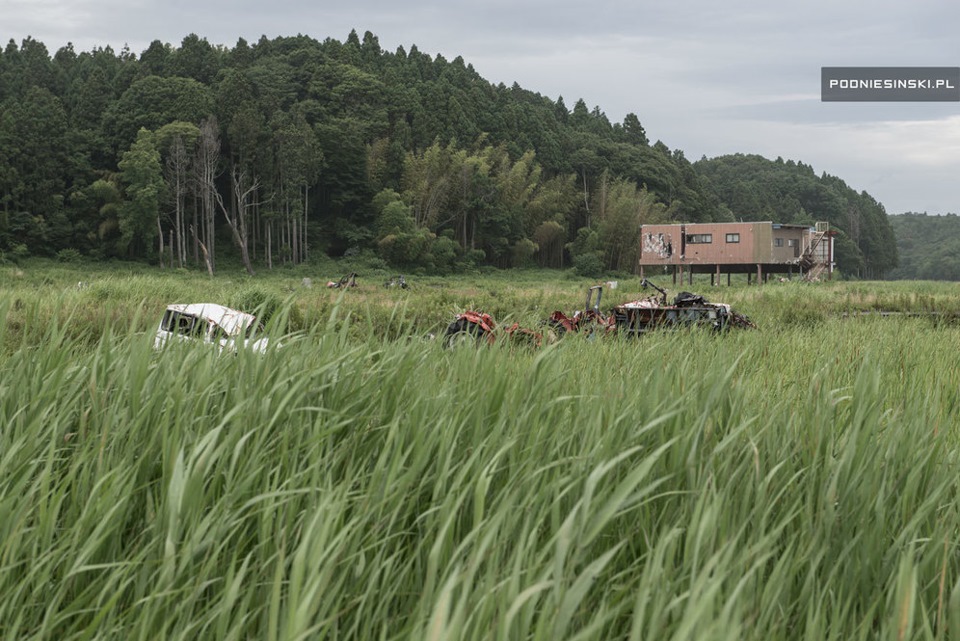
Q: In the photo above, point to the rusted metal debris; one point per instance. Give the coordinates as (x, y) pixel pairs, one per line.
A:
(687, 310)
(589, 319)
(627, 319)
(480, 328)
(350, 280)
(397, 281)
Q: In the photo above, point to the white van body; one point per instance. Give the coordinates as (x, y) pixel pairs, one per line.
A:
(209, 323)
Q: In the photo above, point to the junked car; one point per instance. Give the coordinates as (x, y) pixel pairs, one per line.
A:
(687, 310)
(210, 323)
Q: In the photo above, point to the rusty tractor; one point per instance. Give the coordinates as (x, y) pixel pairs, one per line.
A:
(590, 319)
(480, 328)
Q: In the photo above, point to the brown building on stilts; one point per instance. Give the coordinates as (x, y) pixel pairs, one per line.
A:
(755, 249)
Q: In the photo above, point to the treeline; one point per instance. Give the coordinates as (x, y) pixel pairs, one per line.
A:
(755, 188)
(929, 247)
(275, 150)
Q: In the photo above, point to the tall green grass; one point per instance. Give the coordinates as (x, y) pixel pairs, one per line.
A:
(98, 297)
(798, 482)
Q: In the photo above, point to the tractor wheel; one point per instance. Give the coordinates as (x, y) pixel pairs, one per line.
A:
(463, 332)
(556, 327)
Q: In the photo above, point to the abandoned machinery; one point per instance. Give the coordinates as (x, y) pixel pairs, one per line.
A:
(628, 319)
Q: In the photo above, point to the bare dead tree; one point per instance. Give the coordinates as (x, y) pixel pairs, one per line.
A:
(160, 235)
(203, 248)
(243, 190)
(207, 166)
(177, 166)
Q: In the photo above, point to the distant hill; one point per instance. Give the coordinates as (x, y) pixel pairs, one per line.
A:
(282, 148)
(929, 247)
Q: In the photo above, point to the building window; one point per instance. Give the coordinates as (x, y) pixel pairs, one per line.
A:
(778, 242)
(791, 242)
(733, 238)
(699, 239)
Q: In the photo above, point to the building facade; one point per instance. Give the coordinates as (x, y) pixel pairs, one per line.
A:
(760, 248)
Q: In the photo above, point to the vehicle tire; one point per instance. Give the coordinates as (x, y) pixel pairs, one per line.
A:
(462, 332)
(556, 327)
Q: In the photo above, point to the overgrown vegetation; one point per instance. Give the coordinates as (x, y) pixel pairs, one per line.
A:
(795, 482)
(929, 246)
(286, 150)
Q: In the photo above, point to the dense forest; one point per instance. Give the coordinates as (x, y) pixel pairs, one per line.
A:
(929, 247)
(273, 152)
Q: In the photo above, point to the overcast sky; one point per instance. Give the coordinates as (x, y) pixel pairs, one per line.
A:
(707, 77)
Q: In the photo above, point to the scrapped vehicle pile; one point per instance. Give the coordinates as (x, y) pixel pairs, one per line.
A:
(687, 310)
(628, 319)
(230, 329)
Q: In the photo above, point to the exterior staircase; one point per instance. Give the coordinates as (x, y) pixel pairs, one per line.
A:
(814, 272)
(812, 262)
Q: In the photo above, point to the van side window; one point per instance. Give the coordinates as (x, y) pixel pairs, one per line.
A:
(219, 334)
(184, 324)
(199, 329)
(169, 321)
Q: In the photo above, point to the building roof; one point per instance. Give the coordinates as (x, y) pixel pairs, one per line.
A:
(733, 222)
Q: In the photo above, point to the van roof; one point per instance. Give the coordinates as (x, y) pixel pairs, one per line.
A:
(233, 322)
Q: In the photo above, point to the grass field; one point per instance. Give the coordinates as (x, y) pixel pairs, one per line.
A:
(797, 482)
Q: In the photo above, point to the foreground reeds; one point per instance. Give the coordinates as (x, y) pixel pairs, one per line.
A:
(763, 485)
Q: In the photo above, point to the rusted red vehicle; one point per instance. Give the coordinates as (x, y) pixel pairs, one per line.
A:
(589, 319)
(479, 327)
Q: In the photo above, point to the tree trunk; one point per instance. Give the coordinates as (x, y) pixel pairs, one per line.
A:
(208, 159)
(306, 209)
(237, 218)
(160, 235)
(206, 255)
(269, 248)
(196, 241)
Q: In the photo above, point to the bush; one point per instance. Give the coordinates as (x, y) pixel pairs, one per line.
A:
(472, 258)
(589, 265)
(69, 255)
(443, 252)
(523, 252)
(18, 252)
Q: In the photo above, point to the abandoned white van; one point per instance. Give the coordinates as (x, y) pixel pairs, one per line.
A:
(210, 323)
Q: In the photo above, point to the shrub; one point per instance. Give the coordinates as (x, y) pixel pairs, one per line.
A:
(523, 252)
(69, 255)
(589, 265)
